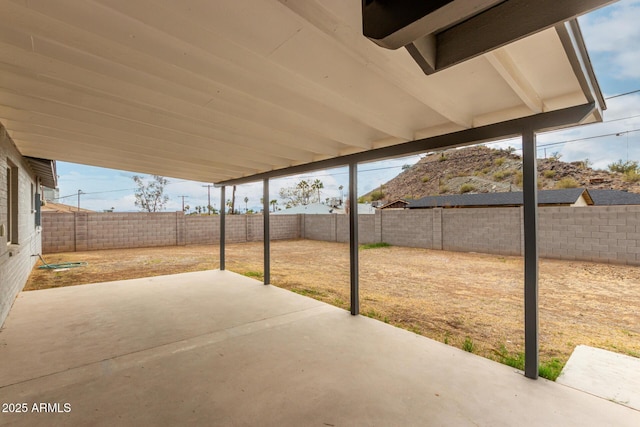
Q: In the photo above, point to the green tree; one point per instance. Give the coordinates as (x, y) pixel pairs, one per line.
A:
(246, 201)
(317, 186)
(302, 193)
(150, 195)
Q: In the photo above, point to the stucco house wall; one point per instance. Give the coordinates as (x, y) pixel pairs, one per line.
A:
(16, 260)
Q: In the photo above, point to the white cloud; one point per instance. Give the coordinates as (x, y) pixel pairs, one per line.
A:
(615, 32)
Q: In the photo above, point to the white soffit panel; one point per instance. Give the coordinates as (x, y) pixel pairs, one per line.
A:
(215, 90)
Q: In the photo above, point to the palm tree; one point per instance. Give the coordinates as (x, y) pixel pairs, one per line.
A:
(317, 186)
(274, 203)
(246, 200)
(341, 195)
(305, 189)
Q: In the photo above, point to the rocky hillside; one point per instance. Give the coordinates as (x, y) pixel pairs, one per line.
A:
(481, 169)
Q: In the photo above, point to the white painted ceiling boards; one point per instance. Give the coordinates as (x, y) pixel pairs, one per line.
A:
(212, 90)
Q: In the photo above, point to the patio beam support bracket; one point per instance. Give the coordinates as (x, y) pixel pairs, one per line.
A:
(530, 210)
(222, 226)
(353, 238)
(267, 235)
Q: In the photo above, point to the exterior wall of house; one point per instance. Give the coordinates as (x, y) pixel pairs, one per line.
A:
(16, 260)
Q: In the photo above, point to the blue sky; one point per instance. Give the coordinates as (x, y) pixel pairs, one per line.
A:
(612, 35)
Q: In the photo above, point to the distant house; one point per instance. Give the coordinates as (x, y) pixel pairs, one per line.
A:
(62, 208)
(565, 197)
(614, 197)
(319, 209)
(396, 204)
(311, 208)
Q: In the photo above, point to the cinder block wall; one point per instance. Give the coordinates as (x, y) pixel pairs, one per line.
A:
(412, 228)
(283, 227)
(203, 230)
(16, 260)
(68, 232)
(58, 232)
(489, 230)
(335, 228)
(603, 233)
(126, 230)
(607, 234)
(320, 227)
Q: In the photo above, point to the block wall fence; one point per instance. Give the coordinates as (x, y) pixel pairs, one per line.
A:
(601, 234)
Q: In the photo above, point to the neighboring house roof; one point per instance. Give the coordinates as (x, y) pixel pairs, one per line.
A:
(547, 197)
(62, 208)
(396, 204)
(45, 170)
(614, 197)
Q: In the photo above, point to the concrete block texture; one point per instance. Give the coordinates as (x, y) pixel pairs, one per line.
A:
(589, 233)
(68, 232)
(490, 230)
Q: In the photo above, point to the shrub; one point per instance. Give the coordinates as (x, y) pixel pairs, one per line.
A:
(555, 156)
(466, 188)
(567, 183)
(425, 178)
(377, 195)
(500, 175)
(518, 179)
(623, 167)
(443, 189)
(442, 157)
(468, 345)
(631, 176)
(549, 173)
(499, 162)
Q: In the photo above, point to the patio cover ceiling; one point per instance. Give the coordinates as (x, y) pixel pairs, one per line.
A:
(219, 90)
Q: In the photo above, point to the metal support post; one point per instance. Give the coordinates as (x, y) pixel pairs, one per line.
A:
(223, 206)
(530, 194)
(353, 237)
(267, 236)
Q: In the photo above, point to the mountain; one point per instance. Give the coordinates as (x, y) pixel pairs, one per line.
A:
(481, 169)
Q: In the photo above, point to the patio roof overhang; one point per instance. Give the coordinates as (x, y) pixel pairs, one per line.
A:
(232, 92)
(217, 91)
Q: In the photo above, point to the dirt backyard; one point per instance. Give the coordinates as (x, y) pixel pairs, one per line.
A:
(468, 300)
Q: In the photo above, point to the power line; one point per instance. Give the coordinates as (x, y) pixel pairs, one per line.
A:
(623, 94)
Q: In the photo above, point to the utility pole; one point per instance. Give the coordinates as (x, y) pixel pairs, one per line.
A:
(183, 197)
(79, 193)
(208, 198)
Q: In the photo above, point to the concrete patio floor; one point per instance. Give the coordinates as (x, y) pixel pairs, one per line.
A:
(217, 348)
